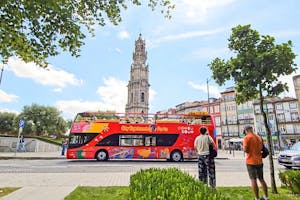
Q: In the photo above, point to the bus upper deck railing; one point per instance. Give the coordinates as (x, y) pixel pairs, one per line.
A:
(141, 118)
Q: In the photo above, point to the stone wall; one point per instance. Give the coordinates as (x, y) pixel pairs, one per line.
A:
(8, 144)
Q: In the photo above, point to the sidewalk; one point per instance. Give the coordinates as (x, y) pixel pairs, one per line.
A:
(31, 155)
(56, 186)
(222, 154)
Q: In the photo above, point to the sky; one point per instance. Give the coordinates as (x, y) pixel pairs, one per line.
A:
(179, 51)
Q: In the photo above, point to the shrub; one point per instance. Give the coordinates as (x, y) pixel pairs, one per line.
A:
(291, 179)
(169, 184)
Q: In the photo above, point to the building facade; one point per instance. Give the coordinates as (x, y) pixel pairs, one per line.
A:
(138, 86)
(283, 116)
(212, 106)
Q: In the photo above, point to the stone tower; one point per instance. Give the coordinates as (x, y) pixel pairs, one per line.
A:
(138, 86)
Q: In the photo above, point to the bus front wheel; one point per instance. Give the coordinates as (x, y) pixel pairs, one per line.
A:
(101, 155)
(176, 156)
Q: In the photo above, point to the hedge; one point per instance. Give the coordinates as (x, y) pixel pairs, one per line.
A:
(169, 184)
(291, 179)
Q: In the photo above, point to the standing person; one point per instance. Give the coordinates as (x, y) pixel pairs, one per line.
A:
(206, 164)
(22, 144)
(252, 146)
(63, 147)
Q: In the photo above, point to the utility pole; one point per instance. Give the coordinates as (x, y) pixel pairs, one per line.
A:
(1, 73)
(208, 96)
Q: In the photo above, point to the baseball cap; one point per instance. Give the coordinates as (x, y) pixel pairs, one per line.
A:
(247, 127)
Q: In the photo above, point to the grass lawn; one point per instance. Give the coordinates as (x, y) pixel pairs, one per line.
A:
(122, 193)
(245, 193)
(99, 193)
(6, 191)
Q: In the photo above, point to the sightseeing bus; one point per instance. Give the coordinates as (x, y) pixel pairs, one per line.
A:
(103, 135)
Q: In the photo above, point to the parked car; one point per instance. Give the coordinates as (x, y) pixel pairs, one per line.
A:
(290, 158)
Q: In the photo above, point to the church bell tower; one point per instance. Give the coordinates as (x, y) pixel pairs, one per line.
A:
(138, 86)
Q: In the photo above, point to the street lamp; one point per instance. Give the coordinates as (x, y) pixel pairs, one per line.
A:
(1, 74)
(208, 95)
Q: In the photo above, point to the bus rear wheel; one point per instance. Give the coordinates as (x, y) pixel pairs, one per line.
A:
(176, 156)
(101, 155)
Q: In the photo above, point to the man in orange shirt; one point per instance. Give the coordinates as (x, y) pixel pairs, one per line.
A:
(252, 146)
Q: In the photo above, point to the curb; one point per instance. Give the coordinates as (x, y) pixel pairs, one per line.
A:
(58, 158)
(31, 158)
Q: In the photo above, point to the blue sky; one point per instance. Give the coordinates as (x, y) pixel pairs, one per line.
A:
(179, 51)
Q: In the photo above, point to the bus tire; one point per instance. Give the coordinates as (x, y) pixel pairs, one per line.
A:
(101, 155)
(176, 156)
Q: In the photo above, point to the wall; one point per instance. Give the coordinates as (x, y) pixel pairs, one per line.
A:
(8, 144)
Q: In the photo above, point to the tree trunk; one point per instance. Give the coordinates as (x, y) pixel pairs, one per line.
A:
(272, 174)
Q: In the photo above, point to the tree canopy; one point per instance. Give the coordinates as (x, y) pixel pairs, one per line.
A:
(258, 64)
(255, 69)
(7, 122)
(42, 120)
(37, 29)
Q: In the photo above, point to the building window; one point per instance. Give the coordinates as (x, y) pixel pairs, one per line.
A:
(142, 97)
(293, 105)
(218, 121)
(217, 109)
(279, 106)
(281, 117)
(294, 116)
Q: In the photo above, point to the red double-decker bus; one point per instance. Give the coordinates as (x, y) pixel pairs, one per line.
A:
(103, 136)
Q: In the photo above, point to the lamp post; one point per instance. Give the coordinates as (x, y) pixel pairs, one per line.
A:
(208, 96)
(1, 74)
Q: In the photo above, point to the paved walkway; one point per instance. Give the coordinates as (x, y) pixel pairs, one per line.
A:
(57, 155)
(55, 186)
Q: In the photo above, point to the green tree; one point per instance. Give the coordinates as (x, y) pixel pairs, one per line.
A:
(43, 120)
(7, 122)
(255, 69)
(37, 29)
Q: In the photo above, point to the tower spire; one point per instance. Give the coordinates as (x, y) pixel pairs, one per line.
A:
(138, 85)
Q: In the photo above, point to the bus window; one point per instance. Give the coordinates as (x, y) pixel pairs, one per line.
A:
(166, 140)
(80, 139)
(150, 141)
(131, 140)
(112, 140)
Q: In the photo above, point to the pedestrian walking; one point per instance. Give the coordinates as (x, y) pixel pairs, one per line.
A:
(252, 146)
(206, 163)
(63, 147)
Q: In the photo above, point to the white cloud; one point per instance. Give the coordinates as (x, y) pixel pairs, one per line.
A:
(185, 35)
(211, 53)
(9, 111)
(7, 98)
(113, 97)
(51, 76)
(123, 35)
(57, 90)
(195, 11)
(71, 107)
(113, 94)
(118, 50)
(213, 90)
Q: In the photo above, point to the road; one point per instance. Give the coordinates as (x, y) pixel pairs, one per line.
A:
(223, 166)
(55, 179)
